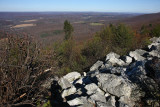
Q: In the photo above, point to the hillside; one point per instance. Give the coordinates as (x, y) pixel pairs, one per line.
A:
(138, 21)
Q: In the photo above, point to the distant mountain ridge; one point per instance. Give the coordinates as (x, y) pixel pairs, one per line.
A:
(145, 19)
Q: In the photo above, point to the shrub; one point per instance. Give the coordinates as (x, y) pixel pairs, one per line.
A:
(21, 72)
(93, 49)
(155, 32)
(68, 57)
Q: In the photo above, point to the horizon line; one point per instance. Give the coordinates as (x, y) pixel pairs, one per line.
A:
(78, 12)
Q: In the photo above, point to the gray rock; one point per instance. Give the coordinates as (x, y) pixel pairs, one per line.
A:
(113, 58)
(76, 101)
(96, 66)
(111, 101)
(117, 70)
(88, 104)
(126, 102)
(69, 92)
(93, 88)
(72, 76)
(155, 39)
(114, 85)
(80, 102)
(141, 52)
(64, 83)
(155, 53)
(137, 55)
(154, 46)
(97, 97)
(101, 104)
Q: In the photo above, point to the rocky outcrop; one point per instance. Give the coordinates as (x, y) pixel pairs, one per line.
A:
(125, 81)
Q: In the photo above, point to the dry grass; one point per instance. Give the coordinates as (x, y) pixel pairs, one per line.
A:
(96, 24)
(30, 20)
(23, 25)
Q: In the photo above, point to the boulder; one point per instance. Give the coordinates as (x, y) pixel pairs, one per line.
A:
(96, 66)
(80, 102)
(154, 46)
(155, 39)
(155, 53)
(118, 86)
(75, 102)
(137, 55)
(64, 83)
(93, 88)
(113, 58)
(97, 97)
(114, 85)
(72, 76)
(69, 92)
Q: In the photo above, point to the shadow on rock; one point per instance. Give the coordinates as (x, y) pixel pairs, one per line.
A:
(56, 99)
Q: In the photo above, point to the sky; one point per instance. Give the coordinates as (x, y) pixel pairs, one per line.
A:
(135, 6)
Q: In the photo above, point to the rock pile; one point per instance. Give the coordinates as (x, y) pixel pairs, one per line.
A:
(118, 81)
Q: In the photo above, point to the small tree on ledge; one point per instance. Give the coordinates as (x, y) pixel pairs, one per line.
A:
(68, 29)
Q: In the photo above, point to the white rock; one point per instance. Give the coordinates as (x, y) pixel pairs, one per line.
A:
(153, 44)
(84, 74)
(79, 81)
(93, 88)
(112, 54)
(64, 83)
(72, 76)
(114, 85)
(75, 102)
(96, 66)
(68, 92)
(114, 59)
(107, 94)
(155, 39)
(137, 56)
(97, 97)
(128, 59)
(155, 53)
(101, 104)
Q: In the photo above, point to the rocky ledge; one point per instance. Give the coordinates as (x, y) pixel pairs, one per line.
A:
(119, 81)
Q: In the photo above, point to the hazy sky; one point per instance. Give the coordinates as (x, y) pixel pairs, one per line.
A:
(142, 6)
